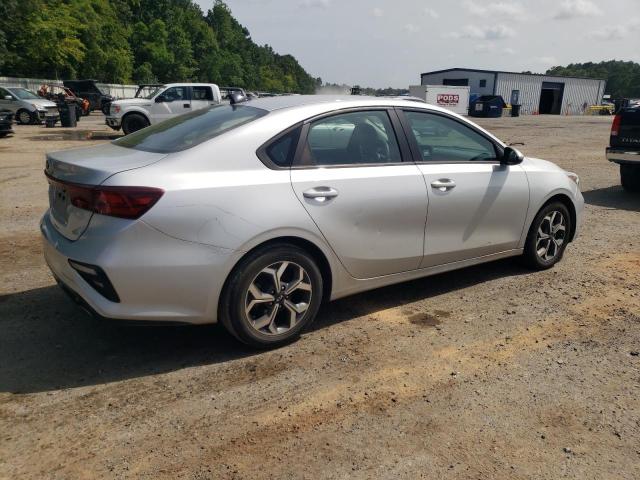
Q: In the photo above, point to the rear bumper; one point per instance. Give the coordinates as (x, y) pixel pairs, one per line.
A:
(113, 122)
(158, 279)
(623, 155)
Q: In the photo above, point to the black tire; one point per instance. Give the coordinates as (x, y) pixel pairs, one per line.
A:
(531, 256)
(134, 122)
(105, 108)
(630, 178)
(232, 311)
(25, 117)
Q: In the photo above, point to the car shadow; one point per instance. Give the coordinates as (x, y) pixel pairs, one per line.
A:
(613, 197)
(48, 343)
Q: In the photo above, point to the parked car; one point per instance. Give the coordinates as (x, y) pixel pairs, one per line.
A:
(252, 214)
(162, 103)
(624, 147)
(98, 100)
(6, 122)
(27, 107)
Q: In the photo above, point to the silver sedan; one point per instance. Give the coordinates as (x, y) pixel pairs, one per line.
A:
(253, 214)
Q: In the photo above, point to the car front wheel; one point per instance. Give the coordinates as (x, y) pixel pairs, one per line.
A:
(548, 237)
(25, 117)
(272, 295)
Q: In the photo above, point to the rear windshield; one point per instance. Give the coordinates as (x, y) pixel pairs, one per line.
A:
(186, 131)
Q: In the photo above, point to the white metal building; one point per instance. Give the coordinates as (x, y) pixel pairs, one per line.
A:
(536, 93)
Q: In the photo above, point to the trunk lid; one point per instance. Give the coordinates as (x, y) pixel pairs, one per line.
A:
(86, 166)
(629, 130)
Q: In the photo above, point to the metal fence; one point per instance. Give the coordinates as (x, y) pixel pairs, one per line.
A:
(33, 84)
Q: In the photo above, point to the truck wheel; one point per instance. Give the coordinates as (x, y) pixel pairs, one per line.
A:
(134, 122)
(630, 177)
(25, 117)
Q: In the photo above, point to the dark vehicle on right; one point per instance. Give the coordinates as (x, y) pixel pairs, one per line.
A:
(98, 100)
(6, 122)
(624, 147)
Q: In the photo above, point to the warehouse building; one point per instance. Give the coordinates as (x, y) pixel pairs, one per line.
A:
(536, 93)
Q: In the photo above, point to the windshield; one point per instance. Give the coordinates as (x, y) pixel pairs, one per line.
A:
(23, 93)
(191, 129)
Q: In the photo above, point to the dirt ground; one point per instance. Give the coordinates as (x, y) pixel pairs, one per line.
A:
(492, 372)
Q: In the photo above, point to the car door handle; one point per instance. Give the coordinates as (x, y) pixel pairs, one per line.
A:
(186, 105)
(321, 194)
(444, 184)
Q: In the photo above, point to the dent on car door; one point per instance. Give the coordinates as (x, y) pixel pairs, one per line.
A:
(477, 206)
(369, 204)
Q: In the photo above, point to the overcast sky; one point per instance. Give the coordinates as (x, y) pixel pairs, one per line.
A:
(381, 43)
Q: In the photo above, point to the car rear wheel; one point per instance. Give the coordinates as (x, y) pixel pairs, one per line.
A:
(548, 237)
(272, 296)
(134, 122)
(25, 117)
(630, 178)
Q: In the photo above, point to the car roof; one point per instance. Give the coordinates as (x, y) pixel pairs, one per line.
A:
(344, 101)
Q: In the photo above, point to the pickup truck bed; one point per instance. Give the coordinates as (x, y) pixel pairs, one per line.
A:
(624, 147)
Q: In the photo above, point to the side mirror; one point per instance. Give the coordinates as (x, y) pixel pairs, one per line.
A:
(511, 156)
(8, 97)
(161, 99)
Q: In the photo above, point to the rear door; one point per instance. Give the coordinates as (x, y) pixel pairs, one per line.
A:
(477, 206)
(354, 176)
(202, 97)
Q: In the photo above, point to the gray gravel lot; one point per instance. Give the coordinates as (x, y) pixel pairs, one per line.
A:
(492, 372)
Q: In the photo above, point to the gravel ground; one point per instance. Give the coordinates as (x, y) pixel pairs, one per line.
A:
(489, 372)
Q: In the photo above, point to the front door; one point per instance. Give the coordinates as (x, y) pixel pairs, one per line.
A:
(477, 206)
(369, 204)
(7, 104)
(174, 101)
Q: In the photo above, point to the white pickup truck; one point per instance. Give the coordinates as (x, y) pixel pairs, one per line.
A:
(164, 102)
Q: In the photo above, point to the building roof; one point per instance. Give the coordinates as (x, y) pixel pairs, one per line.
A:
(509, 73)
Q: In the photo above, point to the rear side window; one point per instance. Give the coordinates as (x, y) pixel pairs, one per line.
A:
(202, 93)
(186, 131)
(364, 137)
(282, 150)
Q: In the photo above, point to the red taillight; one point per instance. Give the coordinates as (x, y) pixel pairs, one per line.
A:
(122, 202)
(615, 126)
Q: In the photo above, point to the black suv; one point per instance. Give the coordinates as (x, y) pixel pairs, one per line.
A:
(89, 90)
(624, 147)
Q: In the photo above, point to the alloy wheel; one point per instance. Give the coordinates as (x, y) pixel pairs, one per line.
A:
(278, 298)
(551, 235)
(25, 117)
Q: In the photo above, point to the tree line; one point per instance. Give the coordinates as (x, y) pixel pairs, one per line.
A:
(623, 78)
(141, 41)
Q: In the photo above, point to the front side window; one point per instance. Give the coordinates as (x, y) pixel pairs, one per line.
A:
(202, 93)
(175, 93)
(365, 137)
(186, 131)
(442, 139)
(4, 93)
